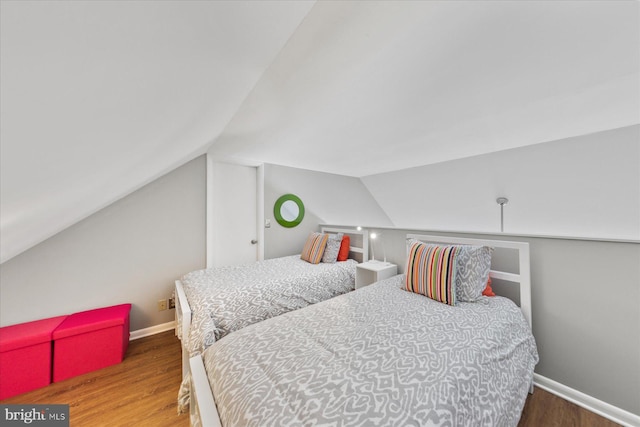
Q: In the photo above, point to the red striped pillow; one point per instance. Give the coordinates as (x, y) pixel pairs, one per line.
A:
(314, 247)
(431, 271)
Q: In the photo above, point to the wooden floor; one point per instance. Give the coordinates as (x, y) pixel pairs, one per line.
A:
(142, 391)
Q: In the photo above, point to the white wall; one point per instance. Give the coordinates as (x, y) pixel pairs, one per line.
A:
(586, 186)
(131, 251)
(327, 198)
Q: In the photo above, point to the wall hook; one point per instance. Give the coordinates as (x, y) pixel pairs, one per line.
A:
(502, 201)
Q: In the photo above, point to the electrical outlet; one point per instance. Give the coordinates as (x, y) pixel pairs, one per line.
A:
(162, 304)
(172, 303)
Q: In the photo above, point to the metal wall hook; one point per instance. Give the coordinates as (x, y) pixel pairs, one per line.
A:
(502, 201)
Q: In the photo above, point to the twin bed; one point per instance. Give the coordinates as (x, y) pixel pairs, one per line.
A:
(213, 302)
(377, 356)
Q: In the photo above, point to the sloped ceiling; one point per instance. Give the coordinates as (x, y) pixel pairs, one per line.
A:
(369, 87)
(99, 98)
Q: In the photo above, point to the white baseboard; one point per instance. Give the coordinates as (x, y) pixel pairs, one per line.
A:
(140, 333)
(597, 406)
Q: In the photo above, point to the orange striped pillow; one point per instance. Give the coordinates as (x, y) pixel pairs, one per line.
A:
(431, 271)
(314, 247)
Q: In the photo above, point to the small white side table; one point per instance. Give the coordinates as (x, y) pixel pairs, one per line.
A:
(372, 271)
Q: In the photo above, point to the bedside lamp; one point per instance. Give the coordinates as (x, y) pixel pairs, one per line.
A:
(373, 236)
(376, 236)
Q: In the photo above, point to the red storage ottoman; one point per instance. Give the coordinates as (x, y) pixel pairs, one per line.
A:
(90, 340)
(25, 356)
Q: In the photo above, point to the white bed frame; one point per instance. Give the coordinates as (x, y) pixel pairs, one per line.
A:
(202, 402)
(183, 312)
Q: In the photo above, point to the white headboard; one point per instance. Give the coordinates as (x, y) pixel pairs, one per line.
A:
(362, 238)
(523, 279)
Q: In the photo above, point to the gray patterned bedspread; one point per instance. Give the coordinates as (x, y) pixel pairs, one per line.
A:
(226, 299)
(378, 356)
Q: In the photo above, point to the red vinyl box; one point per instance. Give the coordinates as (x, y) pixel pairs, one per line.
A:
(25, 356)
(90, 340)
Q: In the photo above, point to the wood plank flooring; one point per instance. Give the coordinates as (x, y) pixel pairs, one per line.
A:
(142, 391)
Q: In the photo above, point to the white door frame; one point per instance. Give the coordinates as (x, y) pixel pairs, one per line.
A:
(260, 212)
(210, 233)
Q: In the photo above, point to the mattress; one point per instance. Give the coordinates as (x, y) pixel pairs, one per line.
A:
(227, 299)
(377, 356)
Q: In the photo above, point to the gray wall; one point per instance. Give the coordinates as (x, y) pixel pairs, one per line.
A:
(586, 186)
(585, 310)
(327, 198)
(586, 293)
(130, 251)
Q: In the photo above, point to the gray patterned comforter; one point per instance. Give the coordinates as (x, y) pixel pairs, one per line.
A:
(378, 356)
(226, 299)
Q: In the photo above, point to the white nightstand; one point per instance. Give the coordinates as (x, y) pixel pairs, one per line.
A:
(372, 271)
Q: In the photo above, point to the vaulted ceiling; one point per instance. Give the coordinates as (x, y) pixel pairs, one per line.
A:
(100, 98)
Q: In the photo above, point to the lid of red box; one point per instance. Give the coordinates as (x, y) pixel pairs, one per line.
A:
(27, 334)
(92, 320)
